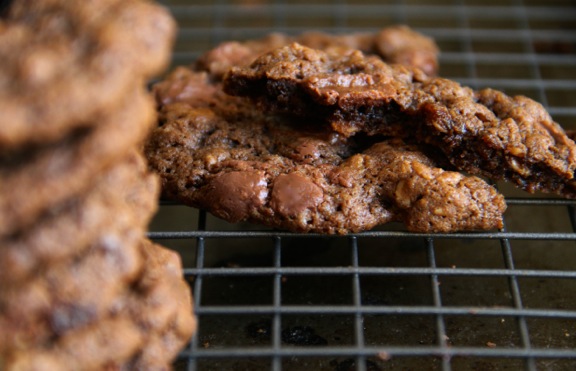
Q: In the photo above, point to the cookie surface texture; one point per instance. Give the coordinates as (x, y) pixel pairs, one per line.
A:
(71, 295)
(59, 170)
(394, 44)
(126, 190)
(65, 61)
(154, 315)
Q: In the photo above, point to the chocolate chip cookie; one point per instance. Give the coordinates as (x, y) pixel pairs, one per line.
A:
(161, 304)
(127, 191)
(65, 62)
(143, 329)
(72, 294)
(57, 171)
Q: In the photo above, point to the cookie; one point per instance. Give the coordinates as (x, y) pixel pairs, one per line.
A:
(65, 62)
(394, 44)
(222, 154)
(87, 348)
(480, 132)
(64, 169)
(126, 191)
(404, 46)
(154, 318)
(161, 305)
(72, 294)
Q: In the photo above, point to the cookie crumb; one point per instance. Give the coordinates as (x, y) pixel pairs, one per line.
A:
(385, 356)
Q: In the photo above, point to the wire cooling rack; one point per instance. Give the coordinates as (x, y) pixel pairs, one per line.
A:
(388, 299)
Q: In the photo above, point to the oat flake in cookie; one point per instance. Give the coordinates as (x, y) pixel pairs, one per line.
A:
(221, 153)
(480, 132)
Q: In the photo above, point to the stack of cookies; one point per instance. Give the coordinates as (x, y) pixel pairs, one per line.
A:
(80, 286)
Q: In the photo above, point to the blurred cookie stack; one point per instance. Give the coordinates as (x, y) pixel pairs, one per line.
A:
(80, 286)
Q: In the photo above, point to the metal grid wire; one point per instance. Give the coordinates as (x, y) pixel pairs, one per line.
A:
(389, 299)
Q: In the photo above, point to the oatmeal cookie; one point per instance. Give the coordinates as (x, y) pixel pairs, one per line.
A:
(98, 347)
(480, 132)
(65, 62)
(143, 330)
(221, 153)
(36, 180)
(161, 304)
(72, 294)
(127, 191)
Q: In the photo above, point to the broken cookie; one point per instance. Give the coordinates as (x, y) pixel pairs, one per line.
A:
(480, 132)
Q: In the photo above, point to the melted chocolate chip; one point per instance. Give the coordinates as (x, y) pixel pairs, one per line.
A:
(234, 194)
(293, 193)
